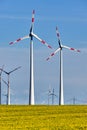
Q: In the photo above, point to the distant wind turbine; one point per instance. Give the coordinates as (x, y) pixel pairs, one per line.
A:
(8, 83)
(61, 97)
(31, 35)
(51, 93)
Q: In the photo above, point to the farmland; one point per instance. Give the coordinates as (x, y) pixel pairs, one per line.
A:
(24, 117)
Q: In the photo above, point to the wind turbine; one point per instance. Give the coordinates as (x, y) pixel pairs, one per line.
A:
(31, 35)
(0, 83)
(8, 83)
(51, 93)
(61, 97)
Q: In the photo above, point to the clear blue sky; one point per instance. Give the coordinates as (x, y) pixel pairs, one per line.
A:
(15, 20)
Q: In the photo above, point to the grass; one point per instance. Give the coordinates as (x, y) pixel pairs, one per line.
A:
(43, 117)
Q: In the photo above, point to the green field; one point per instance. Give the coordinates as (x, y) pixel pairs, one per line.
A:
(43, 117)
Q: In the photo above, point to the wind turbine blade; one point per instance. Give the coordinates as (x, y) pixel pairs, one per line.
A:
(32, 23)
(58, 35)
(15, 69)
(33, 13)
(3, 71)
(19, 39)
(70, 48)
(53, 53)
(5, 82)
(53, 94)
(10, 71)
(42, 41)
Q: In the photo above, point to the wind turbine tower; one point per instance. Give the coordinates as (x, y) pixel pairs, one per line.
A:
(61, 95)
(0, 84)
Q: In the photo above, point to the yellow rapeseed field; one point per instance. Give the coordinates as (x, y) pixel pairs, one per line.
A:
(38, 117)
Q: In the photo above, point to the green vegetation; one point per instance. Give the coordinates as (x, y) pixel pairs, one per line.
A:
(43, 117)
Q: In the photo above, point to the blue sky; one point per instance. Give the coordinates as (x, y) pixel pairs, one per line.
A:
(15, 20)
